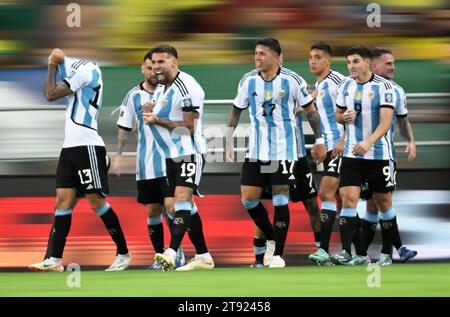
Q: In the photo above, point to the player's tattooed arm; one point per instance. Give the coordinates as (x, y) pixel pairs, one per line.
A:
(53, 90)
(122, 140)
(232, 122)
(314, 120)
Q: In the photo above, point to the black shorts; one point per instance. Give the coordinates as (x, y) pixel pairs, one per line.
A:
(153, 191)
(185, 171)
(261, 174)
(331, 166)
(304, 186)
(84, 169)
(366, 191)
(354, 172)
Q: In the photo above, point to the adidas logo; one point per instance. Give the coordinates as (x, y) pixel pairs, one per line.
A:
(292, 177)
(90, 187)
(390, 184)
(189, 180)
(331, 169)
(312, 191)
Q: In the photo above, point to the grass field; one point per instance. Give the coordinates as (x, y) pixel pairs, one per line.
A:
(416, 279)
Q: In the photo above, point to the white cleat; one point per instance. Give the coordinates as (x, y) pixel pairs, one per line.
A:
(270, 250)
(166, 259)
(277, 262)
(197, 263)
(121, 262)
(48, 265)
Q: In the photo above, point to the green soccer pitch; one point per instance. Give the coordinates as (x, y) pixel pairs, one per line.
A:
(415, 279)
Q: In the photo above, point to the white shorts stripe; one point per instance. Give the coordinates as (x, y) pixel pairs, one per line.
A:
(199, 166)
(94, 166)
(97, 175)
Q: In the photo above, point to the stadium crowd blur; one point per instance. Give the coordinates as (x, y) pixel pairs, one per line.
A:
(217, 31)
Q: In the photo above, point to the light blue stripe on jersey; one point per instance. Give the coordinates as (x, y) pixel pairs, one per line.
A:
(358, 121)
(157, 162)
(163, 145)
(271, 127)
(142, 141)
(252, 102)
(347, 131)
(301, 137)
(375, 112)
(328, 105)
(288, 131)
(165, 111)
(87, 94)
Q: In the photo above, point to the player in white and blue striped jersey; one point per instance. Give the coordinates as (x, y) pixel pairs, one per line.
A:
(383, 64)
(365, 104)
(152, 184)
(82, 168)
(272, 94)
(176, 124)
(327, 86)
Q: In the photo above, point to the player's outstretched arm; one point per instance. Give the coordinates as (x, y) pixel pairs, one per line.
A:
(406, 131)
(122, 141)
(318, 150)
(232, 122)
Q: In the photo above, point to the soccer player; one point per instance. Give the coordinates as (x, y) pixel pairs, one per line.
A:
(365, 104)
(82, 168)
(150, 161)
(383, 64)
(176, 123)
(327, 85)
(272, 94)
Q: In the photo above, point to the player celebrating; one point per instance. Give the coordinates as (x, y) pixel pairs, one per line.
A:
(150, 161)
(176, 123)
(82, 168)
(272, 94)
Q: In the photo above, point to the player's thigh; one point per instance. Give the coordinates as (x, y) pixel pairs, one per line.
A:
(153, 210)
(65, 198)
(349, 196)
(383, 201)
(251, 192)
(329, 186)
(95, 200)
(183, 193)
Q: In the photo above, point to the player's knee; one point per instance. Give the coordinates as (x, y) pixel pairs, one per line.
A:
(153, 210)
(371, 207)
(311, 205)
(102, 209)
(250, 203)
(349, 199)
(280, 200)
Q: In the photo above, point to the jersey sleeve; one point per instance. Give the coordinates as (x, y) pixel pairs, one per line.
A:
(402, 109)
(387, 95)
(193, 101)
(77, 79)
(127, 116)
(340, 102)
(241, 100)
(304, 98)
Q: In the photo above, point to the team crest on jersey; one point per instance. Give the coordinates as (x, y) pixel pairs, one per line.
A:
(267, 94)
(321, 94)
(121, 113)
(371, 95)
(388, 97)
(163, 102)
(281, 93)
(358, 95)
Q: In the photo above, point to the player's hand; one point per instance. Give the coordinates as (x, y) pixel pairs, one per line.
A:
(349, 116)
(117, 165)
(56, 57)
(148, 106)
(149, 118)
(337, 151)
(229, 153)
(411, 150)
(361, 148)
(319, 152)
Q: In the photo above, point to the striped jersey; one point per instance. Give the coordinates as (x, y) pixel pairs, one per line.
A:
(399, 111)
(83, 106)
(301, 143)
(366, 100)
(272, 104)
(184, 95)
(150, 160)
(327, 91)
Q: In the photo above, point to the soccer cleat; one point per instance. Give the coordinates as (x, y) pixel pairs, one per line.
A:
(358, 260)
(385, 260)
(341, 258)
(257, 265)
(155, 266)
(48, 265)
(406, 254)
(319, 257)
(197, 263)
(277, 262)
(270, 250)
(121, 262)
(166, 259)
(179, 258)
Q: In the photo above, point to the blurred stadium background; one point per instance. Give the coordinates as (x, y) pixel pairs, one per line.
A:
(215, 40)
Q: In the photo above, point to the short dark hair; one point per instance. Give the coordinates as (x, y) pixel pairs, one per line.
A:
(164, 48)
(271, 43)
(321, 46)
(148, 55)
(361, 50)
(378, 51)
